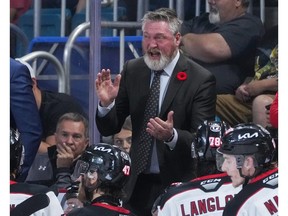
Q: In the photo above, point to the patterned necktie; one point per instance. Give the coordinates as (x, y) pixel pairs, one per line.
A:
(151, 111)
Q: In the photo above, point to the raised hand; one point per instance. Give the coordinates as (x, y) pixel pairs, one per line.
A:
(65, 155)
(106, 89)
(161, 130)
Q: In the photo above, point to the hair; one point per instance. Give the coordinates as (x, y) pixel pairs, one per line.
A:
(76, 117)
(127, 124)
(166, 15)
(86, 196)
(114, 191)
(262, 167)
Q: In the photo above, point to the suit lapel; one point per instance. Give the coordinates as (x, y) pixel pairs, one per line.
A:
(174, 85)
(144, 83)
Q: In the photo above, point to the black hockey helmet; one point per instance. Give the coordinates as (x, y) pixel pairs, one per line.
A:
(248, 139)
(208, 138)
(16, 152)
(111, 163)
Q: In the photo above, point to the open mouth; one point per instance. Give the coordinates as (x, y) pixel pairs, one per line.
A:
(154, 54)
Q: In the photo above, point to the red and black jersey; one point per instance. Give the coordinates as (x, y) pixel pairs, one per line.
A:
(206, 195)
(104, 205)
(258, 198)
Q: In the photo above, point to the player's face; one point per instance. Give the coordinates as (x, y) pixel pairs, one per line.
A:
(90, 179)
(229, 166)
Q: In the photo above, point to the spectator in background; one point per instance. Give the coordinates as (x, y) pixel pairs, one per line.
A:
(248, 103)
(273, 115)
(24, 115)
(187, 97)
(51, 106)
(57, 165)
(233, 36)
(123, 139)
(17, 9)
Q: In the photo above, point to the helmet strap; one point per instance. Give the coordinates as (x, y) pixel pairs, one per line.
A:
(247, 178)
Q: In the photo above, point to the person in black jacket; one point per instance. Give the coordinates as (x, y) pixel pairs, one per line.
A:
(57, 165)
(233, 36)
(103, 171)
(187, 97)
(51, 105)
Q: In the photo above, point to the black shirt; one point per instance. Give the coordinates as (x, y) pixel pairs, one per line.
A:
(242, 35)
(53, 106)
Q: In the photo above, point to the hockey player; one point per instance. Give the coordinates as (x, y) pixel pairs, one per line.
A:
(206, 195)
(43, 199)
(246, 155)
(103, 170)
(207, 140)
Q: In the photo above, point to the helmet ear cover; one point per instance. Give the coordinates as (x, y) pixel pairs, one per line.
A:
(240, 159)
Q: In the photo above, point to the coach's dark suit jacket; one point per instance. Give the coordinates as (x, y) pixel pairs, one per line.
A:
(192, 100)
(24, 114)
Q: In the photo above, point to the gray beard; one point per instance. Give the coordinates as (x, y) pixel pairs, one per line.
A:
(155, 64)
(214, 16)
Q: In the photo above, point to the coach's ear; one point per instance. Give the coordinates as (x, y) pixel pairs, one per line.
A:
(178, 38)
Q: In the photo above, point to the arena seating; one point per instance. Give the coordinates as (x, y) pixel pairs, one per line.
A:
(106, 15)
(50, 24)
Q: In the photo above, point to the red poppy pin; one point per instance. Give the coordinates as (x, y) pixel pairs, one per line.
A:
(181, 76)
